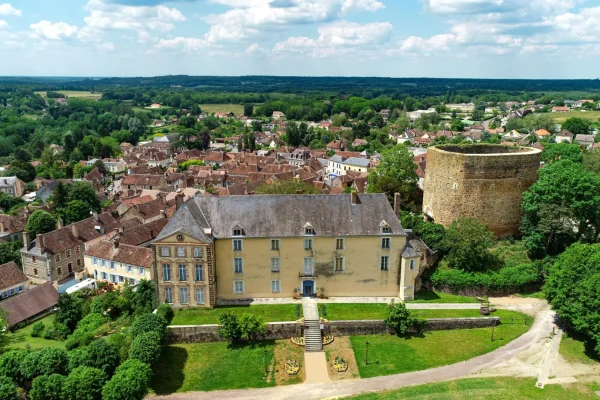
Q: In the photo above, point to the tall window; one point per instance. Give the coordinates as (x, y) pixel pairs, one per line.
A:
(68, 253)
(238, 287)
(57, 258)
(274, 244)
(129, 268)
(166, 272)
(412, 264)
(238, 265)
(165, 251)
(308, 266)
(95, 261)
(339, 264)
(275, 264)
(112, 265)
(339, 244)
(181, 252)
(59, 271)
(308, 244)
(182, 273)
(200, 296)
(198, 271)
(275, 286)
(385, 243)
(141, 271)
(168, 295)
(237, 244)
(385, 263)
(183, 295)
(197, 252)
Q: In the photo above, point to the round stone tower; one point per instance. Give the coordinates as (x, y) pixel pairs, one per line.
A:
(481, 181)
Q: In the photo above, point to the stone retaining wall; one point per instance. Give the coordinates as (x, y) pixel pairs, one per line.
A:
(286, 330)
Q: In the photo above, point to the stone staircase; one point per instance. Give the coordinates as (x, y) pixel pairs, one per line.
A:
(313, 340)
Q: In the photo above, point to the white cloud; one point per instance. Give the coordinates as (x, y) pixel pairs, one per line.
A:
(13, 44)
(53, 31)
(188, 44)
(109, 46)
(3, 24)
(415, 44)
(256, 49)
(8, 9)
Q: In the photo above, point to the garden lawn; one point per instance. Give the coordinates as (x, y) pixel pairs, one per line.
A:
(20, 338)
(389, 354)
(353, 312)
(577, 349)
(428, 296)
(213, 366)
(504, 388)
(270, 313)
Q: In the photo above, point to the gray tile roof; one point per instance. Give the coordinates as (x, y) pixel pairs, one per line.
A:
(361, 162)
(284, 216)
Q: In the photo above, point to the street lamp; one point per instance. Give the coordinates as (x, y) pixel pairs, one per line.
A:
(265, 353)
(367, 354)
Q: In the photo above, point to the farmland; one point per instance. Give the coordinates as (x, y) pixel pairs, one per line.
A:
(237, 109)
(77, 94)
(593, 116)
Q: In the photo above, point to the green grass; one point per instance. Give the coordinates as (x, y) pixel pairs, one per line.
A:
(428, 296)
(511, 254)
(503, 388)
(211, 366)
(390, 354)
(578, 349)
(237, 109)
(21, 338)
(562, 117)
(203, 316)
(76, 93)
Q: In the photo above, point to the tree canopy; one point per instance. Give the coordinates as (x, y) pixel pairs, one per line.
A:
(396, 173)
(467, 243)
(40, 222)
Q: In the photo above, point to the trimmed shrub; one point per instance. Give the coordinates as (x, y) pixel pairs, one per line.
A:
(149, 323)
(84, 383)
(146, 348)
(47, 387)
(230, 329)
(400, 318)
(130, 382)
(166, 311)
(10, 364)
(46, 361)
(102, 355)
(37, 329)
(8, 390)
(251, 326)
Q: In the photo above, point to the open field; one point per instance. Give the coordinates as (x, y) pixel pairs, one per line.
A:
(390, 354)
(502, 388)
(270, 313)
(237, 109)
(562, 117)
(78, 94)
(215, 366)
(21, 338)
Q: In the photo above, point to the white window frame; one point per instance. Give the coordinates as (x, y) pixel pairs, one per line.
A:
(103, 276)
(273, 241)
(198, 252)
(309, 267)
(187, 295)
(388, 241)
(385, 228)
(335, 264)
(241, 270)
(235, 291)
(181, 253)
(113, 265)
(196, 267)
(121, 279)
(179, 268)
(94, 261)
(129, 268)
(308, 244)
(169, 297)
(276, 286)
(168, 267)
(384, 266)
(141, 271)
(200, 299)
(165, 251)
(234, 247)
(275, 264)
(343, 244)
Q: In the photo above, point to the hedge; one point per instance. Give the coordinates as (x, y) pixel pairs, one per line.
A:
(505, 281)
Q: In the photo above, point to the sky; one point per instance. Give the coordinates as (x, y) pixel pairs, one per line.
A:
(394, 38)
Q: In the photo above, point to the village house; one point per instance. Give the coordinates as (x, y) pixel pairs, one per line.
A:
(11, 227)
(278, 115)
(339, 165)
(139, 182)
(564, 136)
(12, 186)
(12, 280)
(345, 245)
(561, 109)
(117, 263)
(585, 141)
(30, 304)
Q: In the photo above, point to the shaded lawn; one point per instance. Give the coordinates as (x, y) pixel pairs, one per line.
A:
(212, 366)
(504, 388)
(203, 316)
(20, 338)
(578, 349)
(390, 354)
(429, 296)
(511, 254)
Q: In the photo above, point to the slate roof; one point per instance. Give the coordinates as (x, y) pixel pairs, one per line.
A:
(10, 275)
(143, 233)
(126, 254)
(27, 304)
(361, 162)
(284, 216)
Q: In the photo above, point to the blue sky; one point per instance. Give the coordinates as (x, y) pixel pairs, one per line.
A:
(415, 38)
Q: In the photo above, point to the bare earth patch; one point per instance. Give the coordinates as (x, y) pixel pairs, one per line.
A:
(341, 347)
(286, 350)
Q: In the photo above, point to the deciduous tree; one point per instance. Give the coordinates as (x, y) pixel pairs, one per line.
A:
(395, 173)
(40, 222)
(467, 243)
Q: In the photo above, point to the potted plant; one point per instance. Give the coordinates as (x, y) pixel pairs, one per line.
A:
(296, 294)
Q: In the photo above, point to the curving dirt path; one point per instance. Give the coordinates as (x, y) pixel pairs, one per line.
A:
(539, 332)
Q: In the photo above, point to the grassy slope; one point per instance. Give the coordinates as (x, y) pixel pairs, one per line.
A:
(503, 388)
(391, 354)
(512, 254)
(22, 337)
(201, 316)
(575, 349)
(562, 117)
(76, 93)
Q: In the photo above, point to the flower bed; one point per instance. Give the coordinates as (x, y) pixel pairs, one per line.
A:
(298, 340)
(327, 340)
(340, 364)
(292, 367)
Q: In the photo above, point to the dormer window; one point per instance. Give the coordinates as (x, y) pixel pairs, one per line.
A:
(237, 231)
(308, 229)
(385, 228)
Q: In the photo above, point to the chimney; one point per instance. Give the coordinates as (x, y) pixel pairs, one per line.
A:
(40, 244)
(397, 204)
(74, 230)
(353, 198)
(59, 223)
(116, 242)
(1, 226)
(179, 199)
(26, 240)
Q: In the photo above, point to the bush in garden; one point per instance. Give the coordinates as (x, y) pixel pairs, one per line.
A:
(166, 311)
(130, 382)
(79, 340)
(46, 361)
(47, 387)
(230, 327)
(123, 343)
(149, 323)
(37, 329)
(102, 355)
(84, 383)
(77, 358)
(10, 364)
(146, 347)
(8, 390)
(251, 326)
(85, 332)
(400, 318)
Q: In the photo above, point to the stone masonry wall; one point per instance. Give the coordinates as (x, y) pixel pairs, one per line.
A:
(286, 330)
(485, 182)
